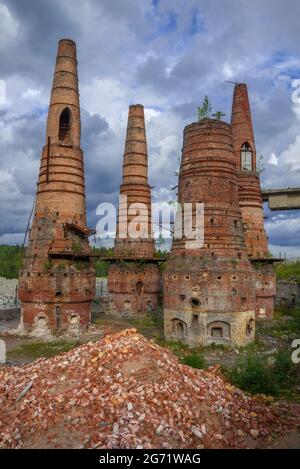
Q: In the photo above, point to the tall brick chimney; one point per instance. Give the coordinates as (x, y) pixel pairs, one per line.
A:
(57, 279)
(250, 200)
(133, 279)
(248, 176)
(209, 290)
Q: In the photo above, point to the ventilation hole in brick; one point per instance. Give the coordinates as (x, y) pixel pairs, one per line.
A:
(195, 302)
(58, 293)
(182, 297)
(187, 277)
(219, 277)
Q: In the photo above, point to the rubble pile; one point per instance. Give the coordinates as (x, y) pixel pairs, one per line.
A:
(127, 392)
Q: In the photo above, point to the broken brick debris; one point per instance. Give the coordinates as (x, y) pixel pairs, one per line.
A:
(125, 391)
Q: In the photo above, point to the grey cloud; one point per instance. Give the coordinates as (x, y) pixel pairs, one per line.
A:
(154, 53)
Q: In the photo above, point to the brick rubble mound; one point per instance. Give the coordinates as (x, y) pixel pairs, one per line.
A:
(125, 391)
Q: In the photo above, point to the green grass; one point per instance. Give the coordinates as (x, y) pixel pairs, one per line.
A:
(195, 360)
(10, 261)
(288, 271)
(253, 374)
(281, 327)
(40, 349)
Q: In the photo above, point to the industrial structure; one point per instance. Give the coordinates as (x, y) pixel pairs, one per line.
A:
(209, 291)
(134, 276)
(57, 279)
(251, 203)
(213, 289)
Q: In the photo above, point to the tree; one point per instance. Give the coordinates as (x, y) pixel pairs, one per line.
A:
(204, 111)
(260, 164)
(218, 115)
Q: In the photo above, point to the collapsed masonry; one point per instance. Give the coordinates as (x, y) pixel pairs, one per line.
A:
(57, 279)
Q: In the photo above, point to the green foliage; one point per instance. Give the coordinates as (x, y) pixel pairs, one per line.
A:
(204, 111)
(77, 248)
(288, 271)
(10, 260)
(195, 360)
(47, 265)
(42, 349)
(100, 265)
(253, 374)
(218, 115)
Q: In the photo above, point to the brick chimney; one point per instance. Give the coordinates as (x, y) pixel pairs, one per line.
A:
(133, 279)
(250, 199)
(57, 280)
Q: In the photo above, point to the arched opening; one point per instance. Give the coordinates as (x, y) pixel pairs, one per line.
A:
(219, 330)
(139, 288)
(74, 320)
(179, 328)
(246, 157)
(65, 124)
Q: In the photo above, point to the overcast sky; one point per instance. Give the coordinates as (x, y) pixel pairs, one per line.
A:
(166, 55)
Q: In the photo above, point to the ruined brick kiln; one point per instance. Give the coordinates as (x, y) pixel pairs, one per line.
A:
(209, 291)
(57, 279)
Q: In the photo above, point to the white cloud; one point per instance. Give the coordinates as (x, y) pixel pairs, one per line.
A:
(8, 26)
(273, 159)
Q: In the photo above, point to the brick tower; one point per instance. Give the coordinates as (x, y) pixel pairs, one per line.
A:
(209, 290)
(250, 200)
(133, 279)
(57, 279)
